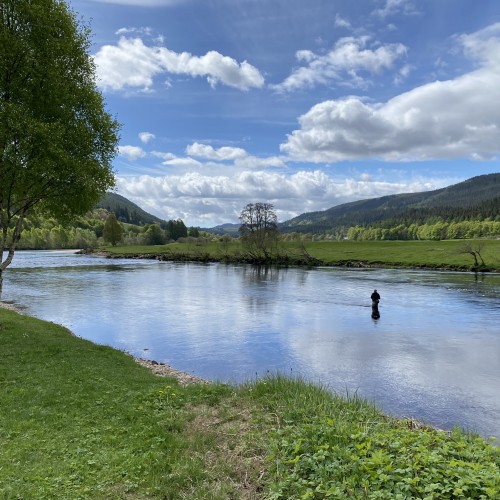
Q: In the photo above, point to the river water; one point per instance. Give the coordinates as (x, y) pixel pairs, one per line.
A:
(433, 355)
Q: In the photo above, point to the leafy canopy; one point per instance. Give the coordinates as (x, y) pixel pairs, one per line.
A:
(57, 141)
(112, 231)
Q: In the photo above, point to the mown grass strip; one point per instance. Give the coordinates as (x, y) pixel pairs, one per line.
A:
(80, 420)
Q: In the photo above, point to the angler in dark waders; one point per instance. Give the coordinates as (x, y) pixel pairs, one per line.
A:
(375, 300)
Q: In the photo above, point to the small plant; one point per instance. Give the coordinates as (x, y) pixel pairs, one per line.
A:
(326, 446)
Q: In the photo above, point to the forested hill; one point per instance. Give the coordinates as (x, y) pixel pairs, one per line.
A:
(477, 198)
(126, 211)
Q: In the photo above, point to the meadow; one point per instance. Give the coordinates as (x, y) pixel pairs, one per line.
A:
(446, 254)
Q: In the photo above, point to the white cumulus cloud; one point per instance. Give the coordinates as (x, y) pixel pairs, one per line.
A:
(237, 156)
(341, 22)
(206, 200)
(182, 162)
(146, 137)
(208, 152)
(131, 152)
(443, 119)
(346, 64)
(132, 63)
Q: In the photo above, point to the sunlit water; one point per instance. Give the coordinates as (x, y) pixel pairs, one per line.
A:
(434, 354)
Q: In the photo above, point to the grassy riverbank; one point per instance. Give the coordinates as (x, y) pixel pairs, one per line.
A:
(447, 254)
(79, 420)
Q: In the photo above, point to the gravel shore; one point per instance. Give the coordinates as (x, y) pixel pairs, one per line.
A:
(167, 371)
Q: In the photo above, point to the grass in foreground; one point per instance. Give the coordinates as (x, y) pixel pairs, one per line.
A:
(85, 421)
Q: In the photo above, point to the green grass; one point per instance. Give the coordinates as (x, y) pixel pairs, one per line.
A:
(433, 254)
(404, 254)
(324, 446)
(79, 420)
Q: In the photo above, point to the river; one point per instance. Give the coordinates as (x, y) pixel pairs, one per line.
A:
(433, 355)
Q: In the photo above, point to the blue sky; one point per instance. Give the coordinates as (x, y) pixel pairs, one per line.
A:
(305, 104)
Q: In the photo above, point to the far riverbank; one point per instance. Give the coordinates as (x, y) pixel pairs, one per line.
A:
(449, 255)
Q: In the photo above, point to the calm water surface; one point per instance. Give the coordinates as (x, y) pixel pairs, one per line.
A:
(434, 354)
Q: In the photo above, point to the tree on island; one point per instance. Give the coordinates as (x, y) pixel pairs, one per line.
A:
(259, 230)
(112, 231)
(57, 141)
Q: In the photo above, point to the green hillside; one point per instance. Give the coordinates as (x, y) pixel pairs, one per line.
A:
(476, 198)
(128, 212)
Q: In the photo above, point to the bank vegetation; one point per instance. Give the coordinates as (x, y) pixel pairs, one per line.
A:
(458, 255)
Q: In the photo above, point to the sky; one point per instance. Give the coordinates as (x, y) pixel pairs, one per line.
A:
(305, 104)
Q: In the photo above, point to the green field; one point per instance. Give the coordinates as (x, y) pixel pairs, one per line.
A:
(448, 254)
(82, 421)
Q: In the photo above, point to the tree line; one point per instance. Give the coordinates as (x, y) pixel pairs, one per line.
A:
(439, 230)
(97, 228)
(336, 222)
(258, 231)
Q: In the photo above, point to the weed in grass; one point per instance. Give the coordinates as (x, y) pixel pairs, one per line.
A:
(325, 446)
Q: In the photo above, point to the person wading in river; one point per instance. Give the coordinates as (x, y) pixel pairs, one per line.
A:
(375, 300)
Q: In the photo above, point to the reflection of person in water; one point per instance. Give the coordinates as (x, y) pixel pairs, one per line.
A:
(375, 300)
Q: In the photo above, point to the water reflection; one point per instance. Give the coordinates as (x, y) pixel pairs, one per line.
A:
(434, 353)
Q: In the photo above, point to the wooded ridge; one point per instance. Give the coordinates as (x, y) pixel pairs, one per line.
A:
(477, 198)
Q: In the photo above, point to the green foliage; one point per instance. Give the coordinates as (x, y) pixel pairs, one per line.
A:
(126, 211)
(87, 232)
(113, 231)
(176, 229)
(331, 447)
(154, 235)
(44, 234)
(439, 230)
(57, 141)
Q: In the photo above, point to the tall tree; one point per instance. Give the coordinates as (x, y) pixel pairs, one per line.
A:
(113, 231)
(259, 229)
(57, 141)
(154, 234)
(176, 229)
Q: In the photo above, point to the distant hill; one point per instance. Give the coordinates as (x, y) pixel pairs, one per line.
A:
(478, 197)
(126, 211)
(228, 228)
(475, 198)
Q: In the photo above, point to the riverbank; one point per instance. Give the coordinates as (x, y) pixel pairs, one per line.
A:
(83, 420)
(157, 368)
(449, 255)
